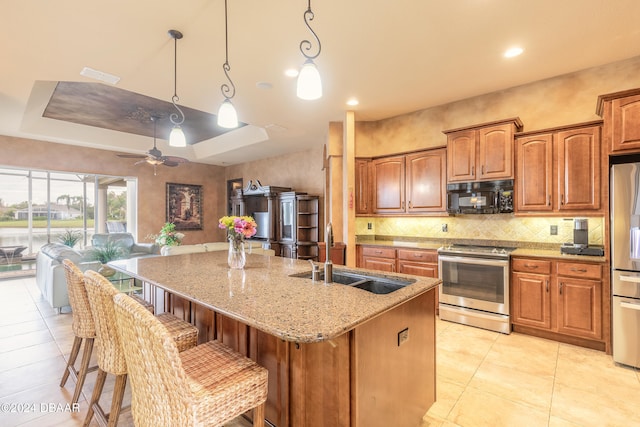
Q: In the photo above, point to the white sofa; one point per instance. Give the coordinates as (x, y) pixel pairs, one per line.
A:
(50, 276)
(250, 248)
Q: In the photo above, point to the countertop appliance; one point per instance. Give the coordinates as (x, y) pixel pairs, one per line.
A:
(488, 197)
(475, 286)
(625, 260)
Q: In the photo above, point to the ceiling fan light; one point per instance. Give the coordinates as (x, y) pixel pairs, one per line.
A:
(227, 115)
(309, 82)
(176, 137)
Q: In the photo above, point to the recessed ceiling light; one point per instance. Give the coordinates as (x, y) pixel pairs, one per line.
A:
(353, 102)
(99, 75)
(513, 52)
(291, 72)
(264, 85)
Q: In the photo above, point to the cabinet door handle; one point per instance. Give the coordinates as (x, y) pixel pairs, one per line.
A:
(549, 200)
(378, 252)
(482, 170)
(473, 170)
(579, 270)
(562, 199)
(547, 285)
(417, 255)
(531, 266)
(561, 287)
(410, 205)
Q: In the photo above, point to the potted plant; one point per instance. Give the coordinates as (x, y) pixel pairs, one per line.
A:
(109, 252)
(69, 237)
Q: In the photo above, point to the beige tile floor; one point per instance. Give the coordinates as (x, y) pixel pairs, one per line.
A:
(483, 378)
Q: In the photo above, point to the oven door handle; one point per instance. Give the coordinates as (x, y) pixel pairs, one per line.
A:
(630, 305)
(471, 260)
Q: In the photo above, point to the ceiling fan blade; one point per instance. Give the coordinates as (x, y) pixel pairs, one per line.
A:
(170, 163)
(175, 159)
(132, 156)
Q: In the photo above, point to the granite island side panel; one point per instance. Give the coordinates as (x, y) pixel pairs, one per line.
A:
(265, 297)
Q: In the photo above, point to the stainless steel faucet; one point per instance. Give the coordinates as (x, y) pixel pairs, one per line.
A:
(328, 265)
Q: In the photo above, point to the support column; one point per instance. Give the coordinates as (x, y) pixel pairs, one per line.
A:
(348, 185)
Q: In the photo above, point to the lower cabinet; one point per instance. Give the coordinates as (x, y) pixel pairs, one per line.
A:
(564, 299)
(378, 258)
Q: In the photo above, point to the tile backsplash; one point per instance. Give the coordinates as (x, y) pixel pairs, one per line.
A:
(503, 227)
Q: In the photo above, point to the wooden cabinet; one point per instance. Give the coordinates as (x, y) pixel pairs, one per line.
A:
(531, 301)
(388, 185)
(408, 184)
(563, 298)
(580, 299)
(482, 152)
(559, 170)
(363, 187)
(378, 258)
(621, 114)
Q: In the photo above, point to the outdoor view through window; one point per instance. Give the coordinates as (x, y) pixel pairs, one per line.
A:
(40, 207)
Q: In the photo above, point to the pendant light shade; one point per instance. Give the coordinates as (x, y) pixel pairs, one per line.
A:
(309, 82)
(176, 137)
(227, 115)
(309, 85)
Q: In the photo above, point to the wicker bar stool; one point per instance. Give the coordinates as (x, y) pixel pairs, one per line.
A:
(109, 349)
(207, 385)
(82, 326)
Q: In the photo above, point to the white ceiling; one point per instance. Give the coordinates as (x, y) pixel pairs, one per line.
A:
(394, 56)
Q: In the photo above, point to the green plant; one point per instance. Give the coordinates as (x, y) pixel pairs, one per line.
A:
(69, 237)
(107, 253)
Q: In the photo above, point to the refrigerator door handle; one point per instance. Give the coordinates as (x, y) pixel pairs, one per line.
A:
(632, 279)
(630, 305)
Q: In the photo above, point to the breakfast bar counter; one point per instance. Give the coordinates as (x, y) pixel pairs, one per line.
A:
(336, 355)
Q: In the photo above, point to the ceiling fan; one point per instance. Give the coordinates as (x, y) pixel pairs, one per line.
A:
(154, 156)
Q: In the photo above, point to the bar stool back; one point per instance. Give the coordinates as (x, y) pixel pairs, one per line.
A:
(83, 328)
(206, 385)
(110, 353)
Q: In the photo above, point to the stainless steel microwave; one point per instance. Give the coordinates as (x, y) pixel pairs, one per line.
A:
(488, 197)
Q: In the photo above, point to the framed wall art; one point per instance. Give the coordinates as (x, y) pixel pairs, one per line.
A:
(184, 206)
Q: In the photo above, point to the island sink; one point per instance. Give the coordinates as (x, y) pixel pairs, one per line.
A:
(373, 284)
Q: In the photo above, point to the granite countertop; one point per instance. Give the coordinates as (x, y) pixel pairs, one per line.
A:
(265, 297)
(535, 252)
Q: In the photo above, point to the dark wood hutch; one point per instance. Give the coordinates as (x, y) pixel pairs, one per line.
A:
(287, 220)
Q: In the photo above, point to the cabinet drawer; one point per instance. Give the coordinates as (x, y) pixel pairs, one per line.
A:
(418, 255)
(591, 271)
(379, 252)
(531, 266)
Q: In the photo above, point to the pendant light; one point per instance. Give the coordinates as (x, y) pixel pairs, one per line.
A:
(309, 85)
(227, 115)
(176, 137)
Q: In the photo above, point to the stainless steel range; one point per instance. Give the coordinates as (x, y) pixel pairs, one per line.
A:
(475, 286)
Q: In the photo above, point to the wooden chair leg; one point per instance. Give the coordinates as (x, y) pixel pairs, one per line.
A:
(75, 349)
(258, 416)
(95, 397)
(84, 368)
(116, 400)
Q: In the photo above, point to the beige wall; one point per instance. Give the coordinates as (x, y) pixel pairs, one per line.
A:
(25, 153)
(557, 101)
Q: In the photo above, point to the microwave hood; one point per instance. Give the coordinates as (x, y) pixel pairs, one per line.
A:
(487, 197)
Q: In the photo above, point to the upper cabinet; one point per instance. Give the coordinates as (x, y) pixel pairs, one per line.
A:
(559, 170)
(482, 152)
(405, 184)
(621, 114)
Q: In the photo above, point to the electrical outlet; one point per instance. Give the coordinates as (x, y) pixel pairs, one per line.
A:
(403, 336)
(369, 226)
(554, 230)
(445, 228)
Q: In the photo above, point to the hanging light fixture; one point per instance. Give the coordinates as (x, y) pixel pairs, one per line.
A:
(227, 115)
(176, 137)
(309, 82)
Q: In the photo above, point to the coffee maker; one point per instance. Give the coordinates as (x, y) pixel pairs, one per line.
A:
(580, 245)
(580, 232)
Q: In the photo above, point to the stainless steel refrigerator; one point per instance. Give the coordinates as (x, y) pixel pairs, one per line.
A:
(625, 262)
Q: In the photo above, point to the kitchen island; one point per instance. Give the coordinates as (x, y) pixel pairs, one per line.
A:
(336, 355)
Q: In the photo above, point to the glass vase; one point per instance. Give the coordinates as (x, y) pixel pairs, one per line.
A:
(237, 257)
